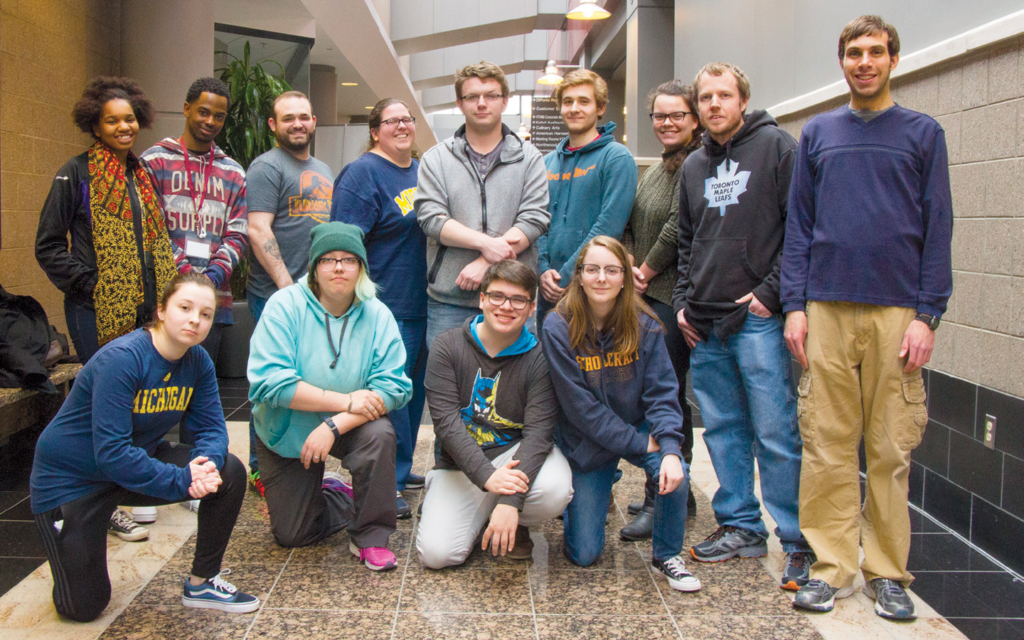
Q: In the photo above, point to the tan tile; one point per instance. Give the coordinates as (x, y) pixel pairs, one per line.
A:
(17, 152)
(951, 125)
(603, 627)
(19, 267)
(967, 182)
(18, 229)
(1003, 70)
(1003, 188)
(975, 68)
(32, 191)
(345, 587)
(175, 621)
(460, 590)
(988, 132)
(951, 89)
(437, 626)
(998, 246)
(745, 628)
(996, 306)
(968, 245)
(610, 592)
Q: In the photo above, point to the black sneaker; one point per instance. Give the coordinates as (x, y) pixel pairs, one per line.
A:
(798, 570)
(891, 601)
(729, 542)
(122, 526)
(675, 570)
(415, 481)
(404, 512)
(818, 595)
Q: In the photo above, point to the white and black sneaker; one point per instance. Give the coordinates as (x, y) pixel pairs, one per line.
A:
(122, 526)
(218, 593)
(674, 569)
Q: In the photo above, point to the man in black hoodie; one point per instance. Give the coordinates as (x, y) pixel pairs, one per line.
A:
(732, 218)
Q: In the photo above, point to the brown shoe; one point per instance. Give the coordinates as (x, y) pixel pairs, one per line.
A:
(523, 550)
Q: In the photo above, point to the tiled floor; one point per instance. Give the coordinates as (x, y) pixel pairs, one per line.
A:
(321, 591)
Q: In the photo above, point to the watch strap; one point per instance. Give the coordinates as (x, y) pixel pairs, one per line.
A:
(930, 320)
(329, 421)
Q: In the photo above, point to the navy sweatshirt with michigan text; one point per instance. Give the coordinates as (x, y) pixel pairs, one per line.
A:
(107, 431)
(608, 402)
(870, 213)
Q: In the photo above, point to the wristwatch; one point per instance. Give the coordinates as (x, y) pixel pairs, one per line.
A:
(931, 321)
(329, 421)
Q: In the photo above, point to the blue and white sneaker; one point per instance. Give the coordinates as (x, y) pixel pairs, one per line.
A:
(217, 593)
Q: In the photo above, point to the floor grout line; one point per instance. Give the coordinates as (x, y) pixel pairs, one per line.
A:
(263, 605)
(408, 555)
(533, 607)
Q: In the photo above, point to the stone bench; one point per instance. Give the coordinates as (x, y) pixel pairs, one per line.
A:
(22, 408)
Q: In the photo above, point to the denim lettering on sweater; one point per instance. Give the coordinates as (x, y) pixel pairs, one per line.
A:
(290, 345)
(871, 213)
(608, 401)
(592, 191)
(122, 404)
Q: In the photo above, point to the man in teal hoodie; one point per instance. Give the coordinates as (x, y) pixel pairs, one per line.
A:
(591, 183)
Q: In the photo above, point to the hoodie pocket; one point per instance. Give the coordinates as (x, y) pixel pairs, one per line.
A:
(719, 270)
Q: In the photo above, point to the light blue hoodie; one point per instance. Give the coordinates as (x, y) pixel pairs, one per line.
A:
(290, 344)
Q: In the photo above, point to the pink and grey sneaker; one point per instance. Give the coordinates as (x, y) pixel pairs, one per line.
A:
(375, 558)
(334, 482)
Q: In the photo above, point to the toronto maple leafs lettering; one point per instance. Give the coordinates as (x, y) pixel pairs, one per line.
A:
(726, 187)
(480, 416)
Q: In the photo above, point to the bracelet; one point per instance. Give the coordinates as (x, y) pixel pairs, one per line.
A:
(349, 403)
(329, 421)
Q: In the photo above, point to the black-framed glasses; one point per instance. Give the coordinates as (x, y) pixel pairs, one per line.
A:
(676, 117)
(610, 271)
(394, 122)
(498, 298)
(348, 264)
(488, 97)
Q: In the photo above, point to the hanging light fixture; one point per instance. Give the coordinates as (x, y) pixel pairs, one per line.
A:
(551, 75)
(588, 10)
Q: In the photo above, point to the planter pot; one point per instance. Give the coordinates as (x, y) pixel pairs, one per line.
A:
(234, 344)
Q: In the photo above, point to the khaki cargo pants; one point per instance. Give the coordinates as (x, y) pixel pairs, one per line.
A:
(855, 387)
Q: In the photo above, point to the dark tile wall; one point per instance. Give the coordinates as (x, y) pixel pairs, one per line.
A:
(976, 491)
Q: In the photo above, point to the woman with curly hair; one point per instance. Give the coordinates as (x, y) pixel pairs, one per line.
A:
(618, 399)
(651, 236)
(120, 256)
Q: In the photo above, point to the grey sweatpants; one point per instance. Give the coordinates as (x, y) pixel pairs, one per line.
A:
(302, 513)
(455, 510)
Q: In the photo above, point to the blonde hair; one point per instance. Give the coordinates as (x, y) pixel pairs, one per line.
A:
(483, 70)
(578, 77)
(366, 289)
(719, 68)
(624, 320)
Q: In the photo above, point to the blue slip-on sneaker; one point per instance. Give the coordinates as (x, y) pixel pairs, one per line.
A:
(218, 593)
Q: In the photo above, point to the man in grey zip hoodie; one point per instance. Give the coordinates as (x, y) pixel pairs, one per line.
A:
(482, 196)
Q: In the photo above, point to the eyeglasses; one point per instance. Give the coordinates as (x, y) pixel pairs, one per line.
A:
(676, 117)
(498, 298)
(488, 97)
(610, 271)
(347, 264)
(394, 122)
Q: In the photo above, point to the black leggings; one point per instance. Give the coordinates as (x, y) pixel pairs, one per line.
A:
(78, 552)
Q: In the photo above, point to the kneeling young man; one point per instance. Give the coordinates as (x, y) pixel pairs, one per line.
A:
(493, 407)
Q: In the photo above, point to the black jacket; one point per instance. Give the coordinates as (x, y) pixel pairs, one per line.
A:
(732, 221)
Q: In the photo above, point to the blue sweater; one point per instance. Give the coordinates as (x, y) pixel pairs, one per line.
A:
(107, 431)
(377, 196)
(870, 213)
(607, 401)
(592, 191)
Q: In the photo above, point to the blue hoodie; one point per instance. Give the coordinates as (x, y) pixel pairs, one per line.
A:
(592, 191)
(290, 345)
(608, 402)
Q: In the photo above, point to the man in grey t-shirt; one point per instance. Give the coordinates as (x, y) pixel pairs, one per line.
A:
(289, 192)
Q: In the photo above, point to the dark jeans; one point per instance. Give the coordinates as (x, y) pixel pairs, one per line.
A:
(406, 421)
(679, 352)
(302, 513)
(78, 552)
(256, 305)
(82, 327)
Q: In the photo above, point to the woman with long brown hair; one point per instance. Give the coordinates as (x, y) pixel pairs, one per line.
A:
(618, 399)
(651, 236)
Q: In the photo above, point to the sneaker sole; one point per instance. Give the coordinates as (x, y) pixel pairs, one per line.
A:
(354, 550)
(229, 607)
(144, 519)
(828, 605)
(687, 586)
(744, 552)
(130, 537)
(881, 612)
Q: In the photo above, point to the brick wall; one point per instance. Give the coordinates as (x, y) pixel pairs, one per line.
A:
(978, 99)
(49, 49)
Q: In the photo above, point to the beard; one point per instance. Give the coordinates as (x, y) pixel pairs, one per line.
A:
(285, 142)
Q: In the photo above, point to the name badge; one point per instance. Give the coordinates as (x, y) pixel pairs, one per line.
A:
(197, 249)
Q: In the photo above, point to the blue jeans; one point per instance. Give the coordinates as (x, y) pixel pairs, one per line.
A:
(747, 404)
(592, 491)
(442, 316)
(256, 305)
(406, 420)
(82, 327)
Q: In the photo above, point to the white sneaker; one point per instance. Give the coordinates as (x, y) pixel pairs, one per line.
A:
(191, 505)
(144, 515)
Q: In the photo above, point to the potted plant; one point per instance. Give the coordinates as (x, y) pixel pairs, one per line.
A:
(245, 136)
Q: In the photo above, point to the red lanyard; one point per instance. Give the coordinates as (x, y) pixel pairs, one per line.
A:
(198, 204)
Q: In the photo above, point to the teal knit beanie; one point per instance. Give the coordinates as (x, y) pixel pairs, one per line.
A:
(336, 236)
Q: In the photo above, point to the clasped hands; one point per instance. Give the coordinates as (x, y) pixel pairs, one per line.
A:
(205, 477)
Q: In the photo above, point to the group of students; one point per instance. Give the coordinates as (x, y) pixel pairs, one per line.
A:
(491, 282)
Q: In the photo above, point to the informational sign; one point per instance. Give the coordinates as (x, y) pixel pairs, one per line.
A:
(546, 126)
